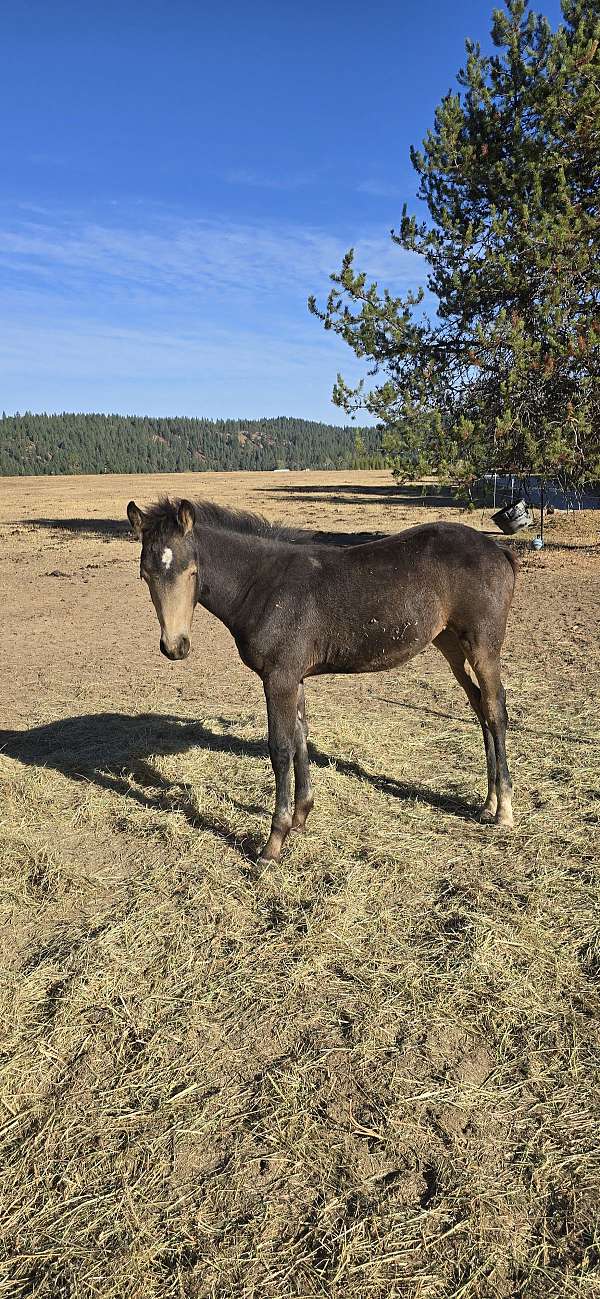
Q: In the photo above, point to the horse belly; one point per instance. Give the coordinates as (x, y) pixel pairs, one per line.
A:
(379, 646)
(395, 647)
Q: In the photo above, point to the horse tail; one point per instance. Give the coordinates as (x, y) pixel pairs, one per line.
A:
(511, 555)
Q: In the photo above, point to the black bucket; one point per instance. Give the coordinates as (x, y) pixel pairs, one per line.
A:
(511, 518)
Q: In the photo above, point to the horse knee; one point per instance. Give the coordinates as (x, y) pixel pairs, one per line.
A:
(281, 754)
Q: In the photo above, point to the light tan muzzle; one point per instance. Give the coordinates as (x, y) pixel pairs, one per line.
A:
(174, 602)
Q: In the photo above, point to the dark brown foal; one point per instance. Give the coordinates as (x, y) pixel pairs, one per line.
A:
(299, 607)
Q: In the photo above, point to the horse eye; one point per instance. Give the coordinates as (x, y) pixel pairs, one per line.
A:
(193, 572)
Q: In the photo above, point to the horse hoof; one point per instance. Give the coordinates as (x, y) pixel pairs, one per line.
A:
(505, 823)
(487, 817)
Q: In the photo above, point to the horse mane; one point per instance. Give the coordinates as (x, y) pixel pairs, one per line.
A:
(162, 518)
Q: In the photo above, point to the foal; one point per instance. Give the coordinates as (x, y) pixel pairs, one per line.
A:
(297, 607)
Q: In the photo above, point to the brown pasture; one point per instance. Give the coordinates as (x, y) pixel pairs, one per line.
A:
(367, 1072)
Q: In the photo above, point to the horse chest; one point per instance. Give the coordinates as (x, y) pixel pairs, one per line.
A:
(249, 654)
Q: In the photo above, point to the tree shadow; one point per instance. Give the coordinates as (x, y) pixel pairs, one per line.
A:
(104, 528)
(581, 546)
(112, 751)
(426, 495)
(409, 494)
(416, 494)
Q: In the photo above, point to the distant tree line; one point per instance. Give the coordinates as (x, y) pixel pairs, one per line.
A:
(126, 444)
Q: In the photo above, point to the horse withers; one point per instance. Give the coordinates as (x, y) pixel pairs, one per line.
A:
(298, 606)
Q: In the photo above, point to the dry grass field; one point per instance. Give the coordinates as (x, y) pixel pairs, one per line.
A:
(369, 1072)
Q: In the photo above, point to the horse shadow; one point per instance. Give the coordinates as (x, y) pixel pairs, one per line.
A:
(112, 750)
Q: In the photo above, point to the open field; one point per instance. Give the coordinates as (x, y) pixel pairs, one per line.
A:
(369, 1072)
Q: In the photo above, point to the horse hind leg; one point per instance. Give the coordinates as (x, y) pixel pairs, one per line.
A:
(303, 797)
(485, 661)
(448, 645)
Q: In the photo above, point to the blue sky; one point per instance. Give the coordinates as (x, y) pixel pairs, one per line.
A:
(179, 176)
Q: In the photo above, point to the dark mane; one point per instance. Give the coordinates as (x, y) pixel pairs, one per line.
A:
(162, 518)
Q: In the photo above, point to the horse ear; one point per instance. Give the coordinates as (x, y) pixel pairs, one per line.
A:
(186, 517)
(136, 518)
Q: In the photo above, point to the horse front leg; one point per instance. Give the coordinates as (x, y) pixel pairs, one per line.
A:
(303, 798)
(282, 718)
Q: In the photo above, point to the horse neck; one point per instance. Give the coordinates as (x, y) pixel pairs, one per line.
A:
(227, 565)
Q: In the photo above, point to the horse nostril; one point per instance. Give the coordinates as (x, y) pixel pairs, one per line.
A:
(180, 650)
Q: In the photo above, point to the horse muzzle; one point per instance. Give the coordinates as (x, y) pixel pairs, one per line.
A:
(178, 650)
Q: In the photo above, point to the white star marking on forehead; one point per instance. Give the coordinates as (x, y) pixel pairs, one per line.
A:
(167, 557)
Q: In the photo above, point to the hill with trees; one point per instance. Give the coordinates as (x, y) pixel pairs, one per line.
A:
(97, 444)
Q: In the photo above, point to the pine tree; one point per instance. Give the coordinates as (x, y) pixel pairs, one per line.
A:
(506, 374)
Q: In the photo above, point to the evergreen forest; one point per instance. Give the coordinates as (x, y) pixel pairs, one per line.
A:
(130, 444)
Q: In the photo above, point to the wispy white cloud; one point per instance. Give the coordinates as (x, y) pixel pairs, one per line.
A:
(81, 365)
(164, 255)
(176, 353)
(151, 311)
